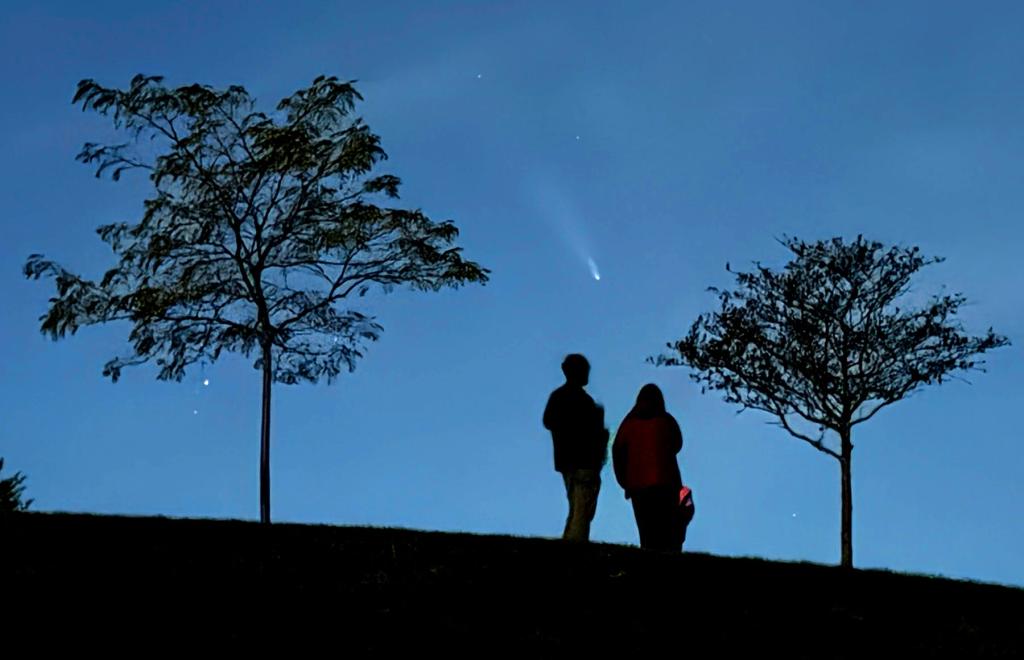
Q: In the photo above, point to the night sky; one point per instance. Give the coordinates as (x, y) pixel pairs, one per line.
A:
(652, 142)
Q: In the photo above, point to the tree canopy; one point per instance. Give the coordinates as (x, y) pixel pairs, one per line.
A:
(261, 231)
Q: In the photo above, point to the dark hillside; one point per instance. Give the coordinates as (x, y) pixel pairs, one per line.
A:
(147, 583)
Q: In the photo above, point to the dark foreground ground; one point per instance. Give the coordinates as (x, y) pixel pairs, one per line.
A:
(146, 585)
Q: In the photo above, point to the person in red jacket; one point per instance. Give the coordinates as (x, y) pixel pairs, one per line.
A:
(644, 458)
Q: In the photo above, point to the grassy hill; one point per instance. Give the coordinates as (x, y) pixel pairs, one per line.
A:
(144, 584)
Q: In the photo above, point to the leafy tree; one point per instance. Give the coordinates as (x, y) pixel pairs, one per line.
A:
(11, 490)
(260, 230)
(826, 344)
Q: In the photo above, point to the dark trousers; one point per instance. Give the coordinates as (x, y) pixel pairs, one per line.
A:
(657, 518)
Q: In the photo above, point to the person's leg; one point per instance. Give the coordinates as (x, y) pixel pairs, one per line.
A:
(669, 522)
(655, 511)
(582, 491)
(567, 480)
(642, 513)
(588, 486)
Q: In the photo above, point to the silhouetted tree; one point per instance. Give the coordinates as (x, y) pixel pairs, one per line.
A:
(825, 344)
(11, 489)
(259, 228)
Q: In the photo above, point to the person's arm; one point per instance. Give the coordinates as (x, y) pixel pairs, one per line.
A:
(551, 413)
(619, 457)
(676, 435)
(597, 435)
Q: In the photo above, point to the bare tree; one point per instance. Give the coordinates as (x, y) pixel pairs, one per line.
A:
(825, 344)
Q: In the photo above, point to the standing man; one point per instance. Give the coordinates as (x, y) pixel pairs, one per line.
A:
(581, 445)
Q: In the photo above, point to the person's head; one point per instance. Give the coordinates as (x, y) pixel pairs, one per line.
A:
(650, 402)
(576, 369)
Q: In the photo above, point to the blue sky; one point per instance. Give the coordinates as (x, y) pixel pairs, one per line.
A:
(658, 139)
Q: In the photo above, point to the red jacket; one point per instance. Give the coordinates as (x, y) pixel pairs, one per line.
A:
(644, 453)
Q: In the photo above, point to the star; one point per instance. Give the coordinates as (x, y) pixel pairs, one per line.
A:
(206, 381)
(479, 76)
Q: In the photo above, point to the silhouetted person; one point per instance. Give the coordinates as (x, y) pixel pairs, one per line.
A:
(644, 458)
(581, 445)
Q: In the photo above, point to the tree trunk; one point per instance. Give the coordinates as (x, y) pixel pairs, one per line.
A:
(265, 438)
(846, 532)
